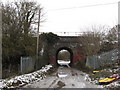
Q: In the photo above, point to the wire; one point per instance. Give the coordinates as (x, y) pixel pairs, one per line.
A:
(83, 6)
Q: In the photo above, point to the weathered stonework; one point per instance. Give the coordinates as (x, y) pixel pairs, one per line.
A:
(71, 44)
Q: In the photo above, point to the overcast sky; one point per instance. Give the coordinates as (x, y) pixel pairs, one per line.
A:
(76, 17)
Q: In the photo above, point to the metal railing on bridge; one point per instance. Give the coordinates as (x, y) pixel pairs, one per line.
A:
(65, 33)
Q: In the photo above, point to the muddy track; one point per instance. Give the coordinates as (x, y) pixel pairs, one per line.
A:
(64, 77)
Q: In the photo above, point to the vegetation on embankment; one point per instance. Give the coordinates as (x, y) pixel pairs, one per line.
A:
(19, 35)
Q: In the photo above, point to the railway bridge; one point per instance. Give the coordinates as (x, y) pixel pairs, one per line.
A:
(72, 45)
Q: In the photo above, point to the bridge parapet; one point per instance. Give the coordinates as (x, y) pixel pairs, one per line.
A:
(68, 39)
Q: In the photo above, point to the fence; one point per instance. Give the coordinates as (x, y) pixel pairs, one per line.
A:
(102, 59)
(27, 64)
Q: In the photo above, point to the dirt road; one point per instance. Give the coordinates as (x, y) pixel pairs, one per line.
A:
(64, 77)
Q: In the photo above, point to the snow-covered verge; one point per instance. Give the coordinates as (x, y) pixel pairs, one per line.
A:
(115, 84)
(22, 80)
(94, 78)
(87, 78)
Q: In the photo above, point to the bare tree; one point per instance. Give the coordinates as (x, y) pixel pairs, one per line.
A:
(91, 40)
(17, 27)
(112, 36)
(28, 15)
(110, 40)
(113, 39)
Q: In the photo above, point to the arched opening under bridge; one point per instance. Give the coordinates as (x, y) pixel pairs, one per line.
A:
(64, 56)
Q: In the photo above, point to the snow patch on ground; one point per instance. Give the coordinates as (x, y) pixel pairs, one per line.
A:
(62, 62)
(62, 75)
(87, 78)
(114, 84)
(1, 84)
(25, 79)
(63, 78)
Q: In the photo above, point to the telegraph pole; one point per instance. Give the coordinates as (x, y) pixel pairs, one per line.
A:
(37, 49)
(119, 32)
(0, 43)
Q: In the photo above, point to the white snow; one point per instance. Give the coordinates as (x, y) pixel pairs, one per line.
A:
(71, 77)
(62, 62)
(42, 51)
(99, 56)
(62, 75)
(1, 84)
(113, 85)
(114, 42)
(25, 79)
(87, 78)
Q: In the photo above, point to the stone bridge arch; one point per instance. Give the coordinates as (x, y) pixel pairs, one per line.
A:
(71, 45)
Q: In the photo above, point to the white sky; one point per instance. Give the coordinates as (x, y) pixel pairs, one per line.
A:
(75, 19)
(72, 20)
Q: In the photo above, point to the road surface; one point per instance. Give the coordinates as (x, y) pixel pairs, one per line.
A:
(64, 77)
